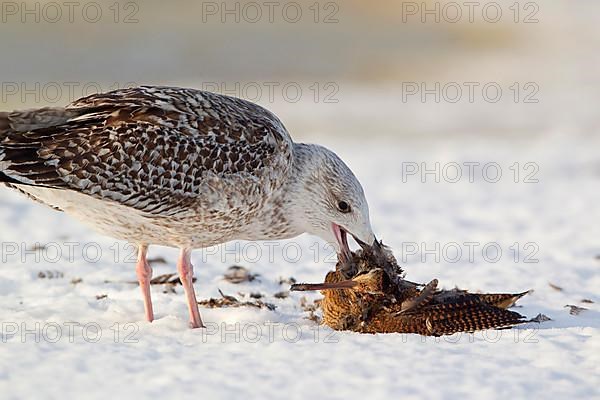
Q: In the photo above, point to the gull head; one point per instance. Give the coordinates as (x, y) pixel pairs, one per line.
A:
(331, 202)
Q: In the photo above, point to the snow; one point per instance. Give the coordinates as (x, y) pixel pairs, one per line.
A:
(58, 340)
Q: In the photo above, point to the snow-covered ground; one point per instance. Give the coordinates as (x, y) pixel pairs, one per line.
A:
(82, 333)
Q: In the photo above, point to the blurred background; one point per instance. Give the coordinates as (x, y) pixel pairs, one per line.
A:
(411, 70)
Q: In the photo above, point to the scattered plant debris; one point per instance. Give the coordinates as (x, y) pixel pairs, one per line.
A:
(157, 260)
(282, 295)
(575, 310)
(75, 281)
(253, 295)
(101, 296)
(588, 301)
(540, 318)
(555, 287)
(237, 274)
(311, 309)
(170, 280)
(231, 301)
(287, 281)
(167, 279)
(50, 275)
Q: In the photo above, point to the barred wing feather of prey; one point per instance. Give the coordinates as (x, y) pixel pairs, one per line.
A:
(162, 151)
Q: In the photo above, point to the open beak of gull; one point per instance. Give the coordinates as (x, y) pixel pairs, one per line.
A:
(341, 236)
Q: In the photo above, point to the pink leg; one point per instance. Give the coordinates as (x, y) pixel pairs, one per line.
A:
(144, 273)
(186, 274)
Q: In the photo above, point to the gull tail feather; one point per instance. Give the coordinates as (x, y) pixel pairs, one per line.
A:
(21, 136)
(37, 118)
(4, 123)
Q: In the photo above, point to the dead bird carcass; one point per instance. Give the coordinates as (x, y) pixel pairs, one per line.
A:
(368, 294)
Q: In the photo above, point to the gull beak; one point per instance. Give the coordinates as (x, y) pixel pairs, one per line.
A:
(341, 236)
(375, 245)
(362, 244)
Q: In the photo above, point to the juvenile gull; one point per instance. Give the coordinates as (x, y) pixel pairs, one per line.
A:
(182, 168)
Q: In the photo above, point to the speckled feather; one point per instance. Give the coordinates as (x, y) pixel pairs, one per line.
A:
(181, 168)
(166, 153)
(381, 301)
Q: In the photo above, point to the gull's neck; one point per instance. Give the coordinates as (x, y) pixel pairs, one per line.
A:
(284, 213)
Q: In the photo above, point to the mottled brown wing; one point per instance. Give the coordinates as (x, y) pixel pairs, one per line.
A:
(467, 314)
(155, 149)
(502, 300)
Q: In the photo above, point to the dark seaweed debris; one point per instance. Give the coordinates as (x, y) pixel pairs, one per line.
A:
(231, 301)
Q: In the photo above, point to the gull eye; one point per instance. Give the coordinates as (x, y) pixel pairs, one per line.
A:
(344, 207)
